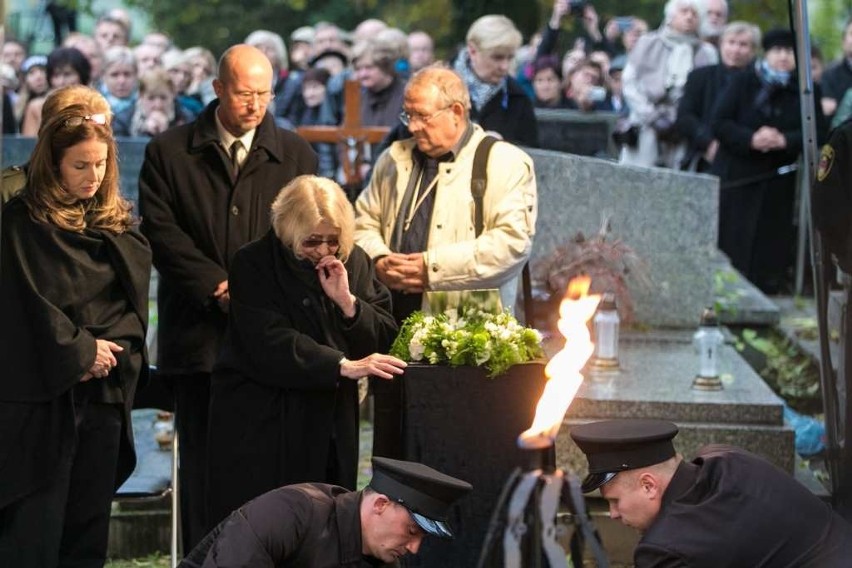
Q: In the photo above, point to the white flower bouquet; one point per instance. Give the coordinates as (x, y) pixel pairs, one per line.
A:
(467, 337)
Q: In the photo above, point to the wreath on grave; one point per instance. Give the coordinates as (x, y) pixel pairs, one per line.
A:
(467, 336)
(609, 262)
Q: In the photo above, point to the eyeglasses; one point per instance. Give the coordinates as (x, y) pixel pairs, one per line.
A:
(314, 243)
(79, 120)
(248, 97)
(407, 118)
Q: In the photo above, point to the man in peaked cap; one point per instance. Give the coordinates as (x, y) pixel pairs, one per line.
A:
(315, 525)
(727, 507)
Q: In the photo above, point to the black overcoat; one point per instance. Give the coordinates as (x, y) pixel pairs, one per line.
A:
(309, 525)
(196, 214)
(59, 292)
(701, 93)
(279, 409)
(756, 217)
(731, 509)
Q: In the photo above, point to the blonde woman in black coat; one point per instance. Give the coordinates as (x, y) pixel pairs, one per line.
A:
(308, 317)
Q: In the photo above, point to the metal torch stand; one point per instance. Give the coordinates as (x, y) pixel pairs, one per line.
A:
(526, 516)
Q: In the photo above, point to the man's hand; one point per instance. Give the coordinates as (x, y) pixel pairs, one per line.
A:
(222, 297)
(403, 272)
(710, 152)
(104, 359)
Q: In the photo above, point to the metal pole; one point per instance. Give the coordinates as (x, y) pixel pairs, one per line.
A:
(802, 187)
(828, 380)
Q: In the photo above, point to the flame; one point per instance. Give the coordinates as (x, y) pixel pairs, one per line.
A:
(563, 370)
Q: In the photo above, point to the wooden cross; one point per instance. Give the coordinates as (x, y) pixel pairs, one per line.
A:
(349, 136)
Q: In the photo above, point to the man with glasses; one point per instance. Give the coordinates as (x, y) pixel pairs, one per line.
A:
(205, 190)
(416, 218)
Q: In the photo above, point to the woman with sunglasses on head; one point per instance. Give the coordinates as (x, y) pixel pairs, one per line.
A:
(73, 293)
(307, 319)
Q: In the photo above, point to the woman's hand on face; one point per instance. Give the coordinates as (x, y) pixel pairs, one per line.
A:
(376, 365)
(335, 284)
(104, 359)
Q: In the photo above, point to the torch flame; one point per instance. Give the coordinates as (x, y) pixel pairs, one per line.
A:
(563, 370)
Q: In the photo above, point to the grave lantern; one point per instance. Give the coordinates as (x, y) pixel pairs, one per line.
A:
(606, 324)
(708, 341)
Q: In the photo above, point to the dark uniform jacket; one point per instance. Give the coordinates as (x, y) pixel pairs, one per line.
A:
(196, 214)
(729, 508)
(306, 526)
(510, 112)
(280, 413)
(832, 195)
(59, 292)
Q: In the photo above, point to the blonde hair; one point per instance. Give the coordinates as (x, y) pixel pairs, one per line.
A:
(494, 32)
(44, 196)
(307, 201)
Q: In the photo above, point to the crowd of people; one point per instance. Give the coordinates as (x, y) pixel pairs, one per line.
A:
(276, 293)
(665, 84)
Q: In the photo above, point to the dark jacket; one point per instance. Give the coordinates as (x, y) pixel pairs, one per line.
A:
(280, 413)
(311, 525)
(755, 216)
(509, 112)
(836, 80)
(59, 292)
(383, 108)
(196, 214)
(701, 93)
(730, 508)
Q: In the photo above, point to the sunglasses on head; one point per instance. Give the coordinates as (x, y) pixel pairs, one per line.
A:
(79, 120)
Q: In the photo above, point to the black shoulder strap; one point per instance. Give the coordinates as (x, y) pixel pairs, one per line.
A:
(479, 180)
(478, 183)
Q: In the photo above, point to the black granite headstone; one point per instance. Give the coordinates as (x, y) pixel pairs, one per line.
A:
(577, 132)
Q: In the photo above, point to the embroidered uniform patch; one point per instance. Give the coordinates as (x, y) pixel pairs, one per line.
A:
(826, 160)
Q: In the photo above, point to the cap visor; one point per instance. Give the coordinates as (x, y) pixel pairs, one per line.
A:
(435, 528)
(595, 480)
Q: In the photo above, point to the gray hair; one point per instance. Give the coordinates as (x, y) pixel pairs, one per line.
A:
(276, 41)
(119, 55)
(448, 84)
(740, 27)
(672, 5)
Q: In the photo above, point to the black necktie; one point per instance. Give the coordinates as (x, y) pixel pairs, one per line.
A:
(235, 156)
(416, 236)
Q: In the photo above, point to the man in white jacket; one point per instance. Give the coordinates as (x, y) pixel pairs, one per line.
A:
(416, 218)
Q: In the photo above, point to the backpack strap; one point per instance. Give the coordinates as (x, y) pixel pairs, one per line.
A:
(478, 183)
(479, 180)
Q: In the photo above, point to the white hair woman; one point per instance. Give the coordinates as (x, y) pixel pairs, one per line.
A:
(653, 82)
(500, 105)
(307, 319)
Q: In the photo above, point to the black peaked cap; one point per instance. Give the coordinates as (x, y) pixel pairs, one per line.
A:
(612, 446)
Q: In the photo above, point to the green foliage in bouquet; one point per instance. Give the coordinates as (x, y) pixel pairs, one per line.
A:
(472, 337)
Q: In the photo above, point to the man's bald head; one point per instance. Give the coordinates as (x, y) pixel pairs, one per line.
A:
(244, 88)
(241, 58)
